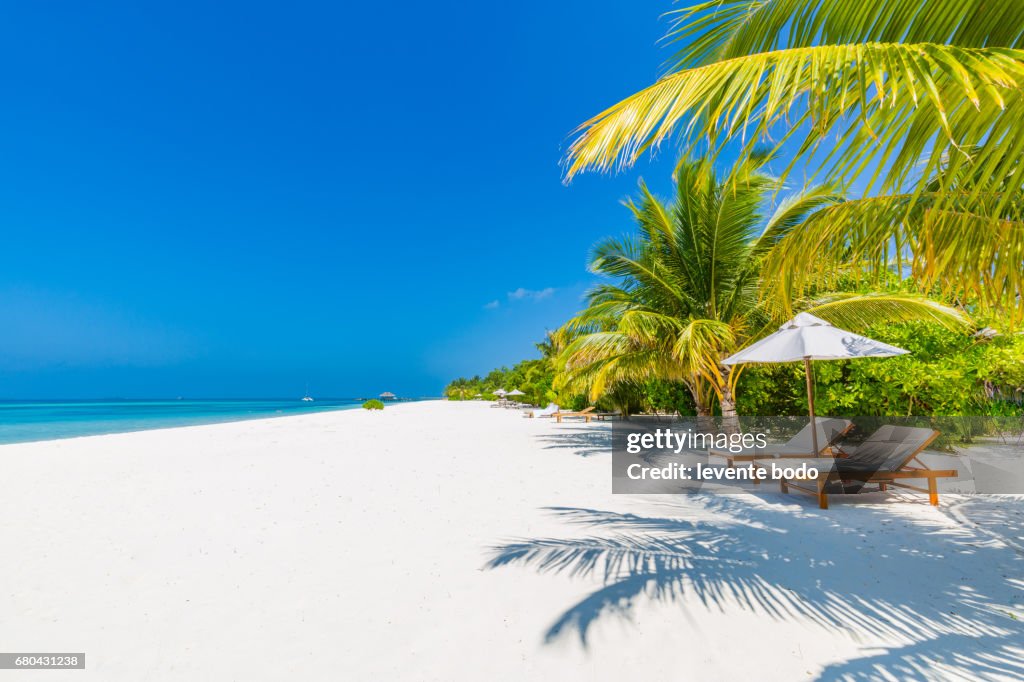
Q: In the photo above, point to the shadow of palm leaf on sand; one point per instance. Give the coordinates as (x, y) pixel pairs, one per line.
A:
(967, 658)
(848, 570)
(585, 440)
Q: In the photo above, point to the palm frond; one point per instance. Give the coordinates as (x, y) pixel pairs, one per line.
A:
(974, 257)
(953, 242)
(649, 327)
(860, 311)
(949, 97)
(594, 364)
(606, 557)
(793, 211)
(722, 29)
(700, 347)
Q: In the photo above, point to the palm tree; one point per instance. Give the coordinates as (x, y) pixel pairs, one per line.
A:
(900, 93)
(456, 390)
(689, 288)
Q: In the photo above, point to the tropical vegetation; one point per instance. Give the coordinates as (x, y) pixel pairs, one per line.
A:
(700, 278)
(689, 288)
(918, 101)
(535, 378)
(948, 372)
(904, 118)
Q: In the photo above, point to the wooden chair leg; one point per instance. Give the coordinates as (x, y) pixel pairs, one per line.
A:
(783, 486)
(822, 496)
(933, 492)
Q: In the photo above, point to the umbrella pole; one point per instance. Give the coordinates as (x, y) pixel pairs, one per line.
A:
(809, 375)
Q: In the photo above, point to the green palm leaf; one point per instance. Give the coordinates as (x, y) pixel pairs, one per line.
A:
(952, 242)
(722, 29)
(958, 97)
(860, 311)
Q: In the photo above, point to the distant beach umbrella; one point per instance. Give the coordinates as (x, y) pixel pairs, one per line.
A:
(516, 392)
(806, 338)
(501, 392)
(387, 395)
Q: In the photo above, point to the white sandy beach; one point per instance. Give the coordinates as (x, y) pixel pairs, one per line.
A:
(449, 541)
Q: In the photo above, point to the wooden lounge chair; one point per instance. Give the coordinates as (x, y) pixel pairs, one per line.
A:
(586, 414)
(884, 458)
(801, 445)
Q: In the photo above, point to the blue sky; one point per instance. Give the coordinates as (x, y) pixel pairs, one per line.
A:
(234, 199)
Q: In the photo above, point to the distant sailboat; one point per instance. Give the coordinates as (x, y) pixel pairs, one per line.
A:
(307, 398)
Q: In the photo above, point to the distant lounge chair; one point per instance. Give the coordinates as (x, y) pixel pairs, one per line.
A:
(546, 412)
(586, 414)
(801, 445)
(601, 416)
(884, 458)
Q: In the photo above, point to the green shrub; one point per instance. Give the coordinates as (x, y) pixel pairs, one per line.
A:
(373, 405)
(669, 396)
(946, 373)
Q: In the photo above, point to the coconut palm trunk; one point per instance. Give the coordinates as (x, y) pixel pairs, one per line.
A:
(727, 402)
(700, 406)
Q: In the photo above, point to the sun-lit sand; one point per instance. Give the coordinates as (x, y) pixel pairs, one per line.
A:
(440, 541)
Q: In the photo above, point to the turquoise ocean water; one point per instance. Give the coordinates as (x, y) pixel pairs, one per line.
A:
(46, 420)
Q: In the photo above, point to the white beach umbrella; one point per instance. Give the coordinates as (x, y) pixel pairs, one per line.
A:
(807, 338)
(516, 392)
(502, 392)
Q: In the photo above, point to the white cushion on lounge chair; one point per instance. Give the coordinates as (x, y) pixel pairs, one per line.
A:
(547, 411)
